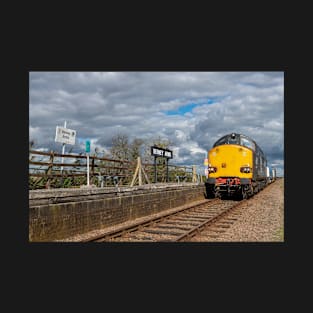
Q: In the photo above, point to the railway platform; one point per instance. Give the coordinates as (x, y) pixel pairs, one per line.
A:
(56, 214)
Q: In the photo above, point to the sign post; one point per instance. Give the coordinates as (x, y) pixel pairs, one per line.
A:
(63, 150)
(87, 152)
(155, 169)
(160, 152)
(65, 136)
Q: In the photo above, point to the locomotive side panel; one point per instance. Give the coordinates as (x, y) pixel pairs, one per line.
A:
(260, 165)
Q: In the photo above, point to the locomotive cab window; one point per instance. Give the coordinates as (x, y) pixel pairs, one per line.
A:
(247, 143)
(222, 141)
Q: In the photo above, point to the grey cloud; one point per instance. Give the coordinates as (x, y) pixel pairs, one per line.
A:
(100, 105)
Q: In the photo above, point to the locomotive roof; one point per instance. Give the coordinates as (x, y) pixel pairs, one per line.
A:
(239, 135)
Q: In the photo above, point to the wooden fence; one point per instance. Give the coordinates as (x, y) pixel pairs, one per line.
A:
(55, 170)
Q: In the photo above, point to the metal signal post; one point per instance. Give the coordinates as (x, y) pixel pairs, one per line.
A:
(87, 152)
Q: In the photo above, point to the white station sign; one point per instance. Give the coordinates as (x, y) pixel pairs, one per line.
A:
(65, 135)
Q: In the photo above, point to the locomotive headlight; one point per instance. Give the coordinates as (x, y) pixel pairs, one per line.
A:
(245, 169)
(212, 169)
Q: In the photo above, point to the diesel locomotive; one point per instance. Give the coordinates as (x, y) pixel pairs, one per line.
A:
(237, 167)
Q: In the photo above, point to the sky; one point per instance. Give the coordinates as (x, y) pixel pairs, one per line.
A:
(190, 109)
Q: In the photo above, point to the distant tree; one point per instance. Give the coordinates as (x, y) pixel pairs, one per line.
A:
(135, 149)
(120, 147)
(158, 142)
(162, 143)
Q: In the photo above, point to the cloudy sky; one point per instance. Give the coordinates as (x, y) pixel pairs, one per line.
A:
(191, 109)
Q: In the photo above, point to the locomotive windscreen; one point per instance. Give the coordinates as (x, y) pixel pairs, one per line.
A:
(236, 139)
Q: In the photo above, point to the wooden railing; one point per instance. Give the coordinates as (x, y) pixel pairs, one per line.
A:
(46, 170)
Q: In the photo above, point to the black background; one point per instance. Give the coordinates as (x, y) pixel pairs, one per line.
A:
(71, 276)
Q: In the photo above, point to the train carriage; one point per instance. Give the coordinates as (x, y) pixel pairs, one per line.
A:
(272, 174)
(237, 166)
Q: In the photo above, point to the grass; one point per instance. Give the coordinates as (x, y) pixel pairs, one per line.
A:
(279, 236)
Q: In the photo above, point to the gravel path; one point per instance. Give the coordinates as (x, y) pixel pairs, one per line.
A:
(261, 220)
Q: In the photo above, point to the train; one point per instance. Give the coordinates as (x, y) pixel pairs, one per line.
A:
(237, 167)
(270, 174)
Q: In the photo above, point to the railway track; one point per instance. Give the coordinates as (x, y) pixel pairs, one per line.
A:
(175, 226)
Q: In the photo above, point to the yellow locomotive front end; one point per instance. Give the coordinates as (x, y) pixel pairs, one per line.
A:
(230, 161)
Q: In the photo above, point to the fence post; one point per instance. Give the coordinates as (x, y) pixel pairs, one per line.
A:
(138, 172)
(194, 174)
(49, 169)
